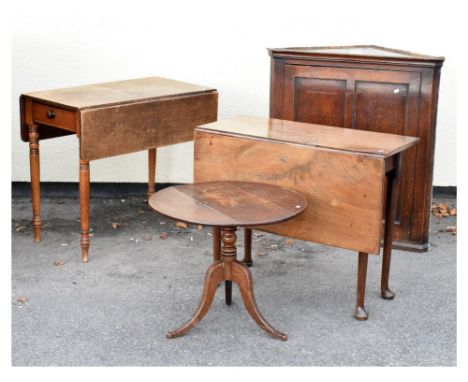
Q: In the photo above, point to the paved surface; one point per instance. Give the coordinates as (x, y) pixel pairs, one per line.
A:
(116, 309)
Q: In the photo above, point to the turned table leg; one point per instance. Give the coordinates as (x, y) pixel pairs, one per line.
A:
(390, 215)
(151, 171)
(247, 260)
(228, 269)
(360, 312)
(34, 166)
(84, 209)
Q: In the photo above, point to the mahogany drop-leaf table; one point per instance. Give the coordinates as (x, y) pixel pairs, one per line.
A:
(110, 119)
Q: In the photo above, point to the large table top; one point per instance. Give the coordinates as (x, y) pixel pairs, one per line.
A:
(228, 204)
(119, 92)
(120, 117)
(319, 136)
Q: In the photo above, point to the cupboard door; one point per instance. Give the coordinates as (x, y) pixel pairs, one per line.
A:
(375, 100)
(316, 95)
(325, 99)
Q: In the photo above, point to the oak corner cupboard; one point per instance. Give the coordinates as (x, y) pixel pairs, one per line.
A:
(368, 87)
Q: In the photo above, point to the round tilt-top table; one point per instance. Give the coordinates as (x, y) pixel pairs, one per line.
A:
(227, 205)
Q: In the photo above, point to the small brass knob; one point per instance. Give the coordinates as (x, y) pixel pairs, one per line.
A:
(51, 114)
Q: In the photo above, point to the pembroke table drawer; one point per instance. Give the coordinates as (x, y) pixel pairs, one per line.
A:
(54, 116)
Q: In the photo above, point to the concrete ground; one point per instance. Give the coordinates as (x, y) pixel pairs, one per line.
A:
(116, 309)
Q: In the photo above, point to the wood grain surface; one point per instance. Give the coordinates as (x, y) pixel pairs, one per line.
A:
(139, 126)
(117, 92)
(77, 99)
(312, 135)
(228, 204)
(344, 191)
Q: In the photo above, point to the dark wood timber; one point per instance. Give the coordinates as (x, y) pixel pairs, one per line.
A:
(228, 291)
(341, 172)
(227, 205)
(360, 312)
(371, 88)
(390, 214)
(84, 209)
(247, 260)
(112, 119)
(151, 171)
(216, 243)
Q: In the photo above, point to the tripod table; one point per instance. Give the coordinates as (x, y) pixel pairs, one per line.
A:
(226, 206)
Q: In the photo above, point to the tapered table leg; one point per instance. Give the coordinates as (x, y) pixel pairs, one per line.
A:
(390, 215)
(360, 312)
(34, 165)
(84, 209)
(247, 260)
(228, 292)
(151, 171)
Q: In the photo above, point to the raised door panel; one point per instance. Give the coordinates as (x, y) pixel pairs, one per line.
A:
(319, 100)
(381, 107)
(316, 95)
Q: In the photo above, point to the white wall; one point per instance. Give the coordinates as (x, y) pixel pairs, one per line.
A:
(215, 43)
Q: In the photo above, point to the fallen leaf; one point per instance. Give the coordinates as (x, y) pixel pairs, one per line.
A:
(440, 210)
(452, 229)
(275, 247)
(164, 235)
(181, 225)
(22, 300)
(289, 242)
(115, 225)
(199, 227)
(261, 253)
(453, 212)
(20, 228)
(162, 223)
(59, 263)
